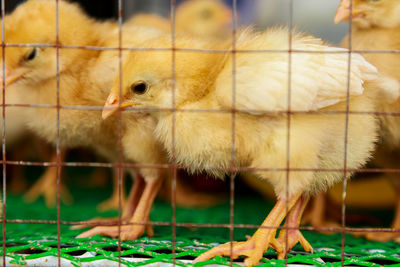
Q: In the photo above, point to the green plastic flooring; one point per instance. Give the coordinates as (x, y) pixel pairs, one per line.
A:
(26, 242)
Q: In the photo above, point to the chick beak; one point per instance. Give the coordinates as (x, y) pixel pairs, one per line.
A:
(9, 76)
(228, 16)
(343, 11)
(111, 106)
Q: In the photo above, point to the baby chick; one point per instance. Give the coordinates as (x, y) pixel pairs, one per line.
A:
(141, 147)
(203, 140)
(205, 18)
(28, 68)
(85, 75)
(376, 26)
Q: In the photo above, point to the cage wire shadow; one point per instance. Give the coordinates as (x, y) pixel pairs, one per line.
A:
(22, 246)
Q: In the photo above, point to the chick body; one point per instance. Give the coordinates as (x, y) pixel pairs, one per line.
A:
(261, 127)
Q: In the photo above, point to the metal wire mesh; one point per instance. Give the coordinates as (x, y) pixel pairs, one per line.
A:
(173, 248)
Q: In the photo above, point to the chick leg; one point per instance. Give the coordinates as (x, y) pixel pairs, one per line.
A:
(140, 216)
(47, 186)
(293, 236)
(128, 210)
(393, 236)
(113, 202)
(259, 243)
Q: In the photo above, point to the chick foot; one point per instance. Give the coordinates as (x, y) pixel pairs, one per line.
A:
(128, 210)
(113, 203)
(393, 236)
(127, 232)
(259, 243)
(253, 249)
(138, 220)
(383, 237)
(291, 234)
(46, 186)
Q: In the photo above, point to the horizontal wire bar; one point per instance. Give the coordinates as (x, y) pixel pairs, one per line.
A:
(181, 167)
(209, 225)
(378, 51)
(258, 111)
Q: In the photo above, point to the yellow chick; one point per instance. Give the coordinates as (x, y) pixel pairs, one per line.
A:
(205, 18)
(140, 147)
(29, 67)
(376, 26)
(85, 75)
(203, 140)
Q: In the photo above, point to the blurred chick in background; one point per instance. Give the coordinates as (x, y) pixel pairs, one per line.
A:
(18, 30)
(204, 81)
(16, 146)
(15, 131)
(376, 26)
(85, 74)
(205, 18)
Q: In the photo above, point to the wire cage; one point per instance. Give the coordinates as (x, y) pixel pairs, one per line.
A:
(34, 235)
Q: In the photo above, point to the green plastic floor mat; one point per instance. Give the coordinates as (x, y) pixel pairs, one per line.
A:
(34, 243)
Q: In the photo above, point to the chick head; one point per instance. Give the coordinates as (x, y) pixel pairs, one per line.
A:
(151, 80)
(370, 13)
(34, 22)
(145, 82)
(204, 17)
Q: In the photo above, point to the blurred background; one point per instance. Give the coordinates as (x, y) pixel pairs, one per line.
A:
(313, 16)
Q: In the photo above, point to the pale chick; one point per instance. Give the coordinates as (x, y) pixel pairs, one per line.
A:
(203, 140)
(205, 18)
(85, 75)
(376, 26)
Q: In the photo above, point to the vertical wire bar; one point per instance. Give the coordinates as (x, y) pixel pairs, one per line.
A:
(3, 141)
(173, 163)
(346, 129)
(120, 148)
(232, 175)
(58, 157)
(288, 122)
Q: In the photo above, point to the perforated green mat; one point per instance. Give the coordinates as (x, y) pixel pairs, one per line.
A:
(27, 242)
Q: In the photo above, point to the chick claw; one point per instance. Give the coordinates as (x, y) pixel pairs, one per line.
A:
(293, 236)
(253, 249)
(127, 232)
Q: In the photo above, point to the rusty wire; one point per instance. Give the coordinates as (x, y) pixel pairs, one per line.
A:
(343, 219)
(3, 139)
(119, 114)
(173, 165)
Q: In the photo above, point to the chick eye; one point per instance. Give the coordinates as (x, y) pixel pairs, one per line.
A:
(139, 88)
(32, 54)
